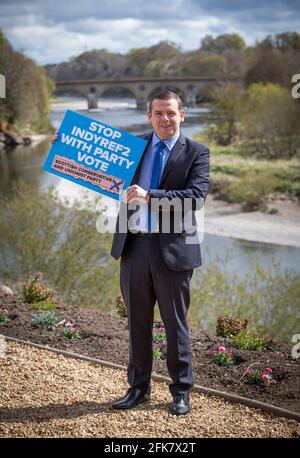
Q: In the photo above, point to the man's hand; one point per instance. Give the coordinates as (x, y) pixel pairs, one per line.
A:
(54, 137)
(135, 192)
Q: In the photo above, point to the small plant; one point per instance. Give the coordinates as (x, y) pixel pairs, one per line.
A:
(33, 291)
(159, 339)
(43, 305)
(246, 341)
(228, 326)
(160, 336)
(252, 190)
(273, 211)
(71, 332)
(156, 350)
(221, 358)
(3, 314)
(261, 377)
(45, 318)
(121, 307)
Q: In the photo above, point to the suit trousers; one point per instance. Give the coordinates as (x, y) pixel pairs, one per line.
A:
(145, 279)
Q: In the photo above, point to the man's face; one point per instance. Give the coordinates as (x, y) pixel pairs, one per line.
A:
(165, 118)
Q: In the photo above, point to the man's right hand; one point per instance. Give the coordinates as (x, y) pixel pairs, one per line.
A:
(54, 137)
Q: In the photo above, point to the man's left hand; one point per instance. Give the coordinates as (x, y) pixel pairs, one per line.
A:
(135, 192)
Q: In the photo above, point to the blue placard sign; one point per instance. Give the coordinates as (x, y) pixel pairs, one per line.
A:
(95, 155)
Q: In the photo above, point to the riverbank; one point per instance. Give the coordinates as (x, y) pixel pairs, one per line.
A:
(228, 220)
(11, 140)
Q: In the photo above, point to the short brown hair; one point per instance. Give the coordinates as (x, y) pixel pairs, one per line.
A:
(165, 95)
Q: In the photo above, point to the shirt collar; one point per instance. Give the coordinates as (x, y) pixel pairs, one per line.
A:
(169, 143)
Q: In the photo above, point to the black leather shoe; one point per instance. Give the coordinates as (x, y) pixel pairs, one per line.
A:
(180, 404)
(133, 397)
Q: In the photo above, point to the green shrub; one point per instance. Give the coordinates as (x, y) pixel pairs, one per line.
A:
(273, 211)
(160, 336)
(60, 240)
(3, 314)
(43, 305)
(46, 318)
(227, 326)
(246, 341)
(33, 291)
(156, 351)
(252, 190)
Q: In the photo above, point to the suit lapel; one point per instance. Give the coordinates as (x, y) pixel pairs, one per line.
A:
(136, 176)
(175, 153)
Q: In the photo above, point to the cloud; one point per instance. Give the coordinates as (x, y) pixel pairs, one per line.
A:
(55, 31)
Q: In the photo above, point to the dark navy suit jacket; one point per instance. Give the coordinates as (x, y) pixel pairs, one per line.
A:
(186, 175)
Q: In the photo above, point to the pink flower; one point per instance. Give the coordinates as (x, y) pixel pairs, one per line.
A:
(248, 373)
(68, 325)
(162, 329)
(3, 310)
(266, 378)
(229, 355)
(74, 329)
(268, 369)
(221, 349)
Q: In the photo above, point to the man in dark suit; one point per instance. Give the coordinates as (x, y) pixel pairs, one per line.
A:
(157, 264)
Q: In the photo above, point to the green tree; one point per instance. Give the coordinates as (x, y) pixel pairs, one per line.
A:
(271, 120)
(227, 107)
(28, 90)
(222, 43)
(266, 65)
(283, 41)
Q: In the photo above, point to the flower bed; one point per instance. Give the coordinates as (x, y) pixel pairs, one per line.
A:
(105, 337)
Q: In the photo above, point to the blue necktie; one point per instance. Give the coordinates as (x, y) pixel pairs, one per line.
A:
(156, 172)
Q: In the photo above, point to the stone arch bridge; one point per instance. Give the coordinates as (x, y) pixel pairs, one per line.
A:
(190, 89)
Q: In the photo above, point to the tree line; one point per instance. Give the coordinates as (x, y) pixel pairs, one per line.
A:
(273, 59)
(28, 88)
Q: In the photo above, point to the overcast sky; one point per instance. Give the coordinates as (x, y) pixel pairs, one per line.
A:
(54, 31)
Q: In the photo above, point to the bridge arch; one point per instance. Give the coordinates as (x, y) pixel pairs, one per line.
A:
(121, 91)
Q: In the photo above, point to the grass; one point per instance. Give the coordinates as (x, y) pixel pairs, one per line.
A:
(233, 164)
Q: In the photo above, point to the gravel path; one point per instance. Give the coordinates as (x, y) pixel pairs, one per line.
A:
(48, 395)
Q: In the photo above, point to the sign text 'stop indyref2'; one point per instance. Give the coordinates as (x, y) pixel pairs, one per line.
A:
(94, 154)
